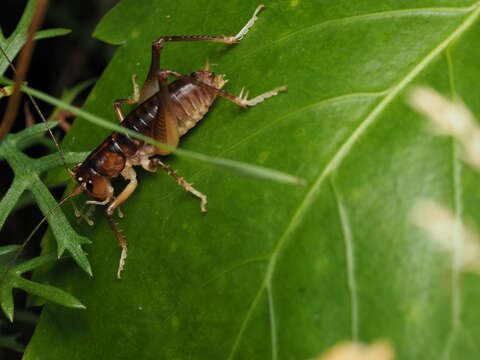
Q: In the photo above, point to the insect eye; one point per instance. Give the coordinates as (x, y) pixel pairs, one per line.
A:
(89, 185)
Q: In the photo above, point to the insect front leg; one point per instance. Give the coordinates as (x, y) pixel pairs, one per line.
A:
(84, 215)
(129, 174)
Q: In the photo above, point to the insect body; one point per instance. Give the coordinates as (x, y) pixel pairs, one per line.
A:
(166, 112)
(119, 152)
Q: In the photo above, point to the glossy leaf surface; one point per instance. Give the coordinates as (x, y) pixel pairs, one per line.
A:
(274, 271)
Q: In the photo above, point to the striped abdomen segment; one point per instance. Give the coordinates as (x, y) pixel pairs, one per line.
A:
(190, 103)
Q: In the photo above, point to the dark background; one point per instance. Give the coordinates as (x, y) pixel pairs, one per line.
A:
(57, 64)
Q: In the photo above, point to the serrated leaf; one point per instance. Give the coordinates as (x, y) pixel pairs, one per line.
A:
(273, 271)
(6, 297)
(16, 40)
(8, 250)
(12, 343)
(10, 278)
(27, 171)
(49, 293)
(50, 33)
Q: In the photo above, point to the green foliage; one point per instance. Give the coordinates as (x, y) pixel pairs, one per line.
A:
(27, 177)
(11, 278)
(273, 271)
(241, 168)
(27, 173)
(12, 44)
(6, 91)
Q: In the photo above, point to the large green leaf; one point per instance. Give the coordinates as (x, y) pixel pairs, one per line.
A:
(274, 271)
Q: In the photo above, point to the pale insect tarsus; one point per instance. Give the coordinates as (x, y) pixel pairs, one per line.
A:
(250, 23)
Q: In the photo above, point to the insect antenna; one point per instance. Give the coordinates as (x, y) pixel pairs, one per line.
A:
(74, 193)
(50, 132)
(11, 263)
(12, 109)
(39, 112)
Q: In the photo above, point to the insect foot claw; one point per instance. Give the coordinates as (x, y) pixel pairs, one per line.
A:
(121, 263)
(262, 97)
(203, 203)
(207, 65)
(188, 187)
(249, 24)
(83, 216)
(121, 215)
(241, 96)
(134, 98)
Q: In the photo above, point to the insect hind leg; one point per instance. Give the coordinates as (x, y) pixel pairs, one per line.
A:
(240, 100)
(244, 101)
(250, 23)
(150, 86)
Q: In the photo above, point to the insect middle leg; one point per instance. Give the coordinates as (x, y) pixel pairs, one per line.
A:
(152, 164)
(134, 99)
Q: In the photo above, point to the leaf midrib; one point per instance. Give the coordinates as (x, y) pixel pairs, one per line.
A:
(446, 11)
(337, 159)
(455, 316)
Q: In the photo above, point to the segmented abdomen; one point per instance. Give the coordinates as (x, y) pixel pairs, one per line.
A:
(188, 103)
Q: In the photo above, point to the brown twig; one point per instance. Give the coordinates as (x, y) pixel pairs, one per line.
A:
(29, 119)
(23, 65)
(62, 117)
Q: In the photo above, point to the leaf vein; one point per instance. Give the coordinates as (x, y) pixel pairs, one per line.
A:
(350, 260)
(344, 150)
(315, 105)
(273, 326)
(445, 11)
(457, 232)
(245, 321)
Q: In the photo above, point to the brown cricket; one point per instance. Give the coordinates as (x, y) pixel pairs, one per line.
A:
(166, 112)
